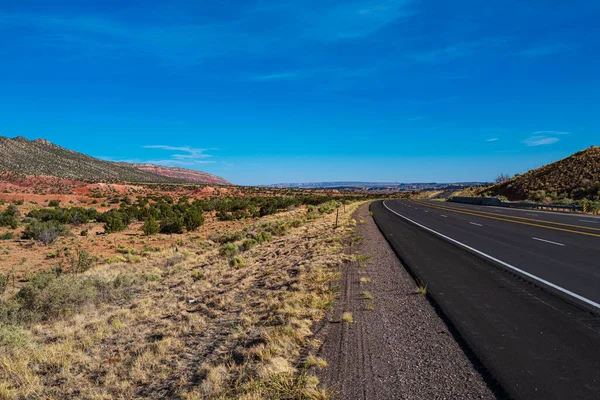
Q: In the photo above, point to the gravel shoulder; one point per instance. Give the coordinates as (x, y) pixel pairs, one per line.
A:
(397, 346)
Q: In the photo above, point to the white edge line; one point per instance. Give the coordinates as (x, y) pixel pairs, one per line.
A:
(591, 222)
(473, 223)
(552, 285)
(548, 241)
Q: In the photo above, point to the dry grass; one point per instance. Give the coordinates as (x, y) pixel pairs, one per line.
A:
(196, 328)
(347, 317)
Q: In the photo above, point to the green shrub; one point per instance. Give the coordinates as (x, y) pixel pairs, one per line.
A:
(228, 249)
(248, 244)
(8, 221)
(150, 227)
(54, 203)
(84, 232)
(114, 222)
(197, 275)
(45, 232)
(227, 237)
(12, 211)
(263, 237)
(19, 202)
(193, 219)
(171, 225)
(81, 261)
(7, 236)
(4, 278)
(48, 296)
(237, 262)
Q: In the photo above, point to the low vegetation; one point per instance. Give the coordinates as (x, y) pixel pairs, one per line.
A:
(573, 180)
(228, 316)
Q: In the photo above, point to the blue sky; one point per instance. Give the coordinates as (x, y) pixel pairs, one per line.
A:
(279, 91)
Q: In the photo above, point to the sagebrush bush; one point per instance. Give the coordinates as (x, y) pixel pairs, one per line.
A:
(237, 262)
(45, 232)
(48, 296)
(4, 278)
(81, 261)
(227, 237)
(228, 249)
(248, 244)
(263, 237)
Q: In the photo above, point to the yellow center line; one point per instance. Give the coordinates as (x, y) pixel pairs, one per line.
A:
(514, 217)
(509, 220)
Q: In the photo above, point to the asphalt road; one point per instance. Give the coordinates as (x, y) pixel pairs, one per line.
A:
(534, 342)
(563, 250)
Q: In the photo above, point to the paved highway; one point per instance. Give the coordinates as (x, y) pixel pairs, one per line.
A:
(563, 250)
(533, 342)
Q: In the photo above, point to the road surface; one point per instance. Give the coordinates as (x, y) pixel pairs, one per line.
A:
(538, 344)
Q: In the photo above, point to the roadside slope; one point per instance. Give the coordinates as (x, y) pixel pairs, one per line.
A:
(397, 347)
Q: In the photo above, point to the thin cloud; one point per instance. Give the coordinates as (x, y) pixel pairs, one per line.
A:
(276, 77)
(179, 42)
(190, 152)
(492, 140)
(540, 141)
(183, 156)
(551, 133)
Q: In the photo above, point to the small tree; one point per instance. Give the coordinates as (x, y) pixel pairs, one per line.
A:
(193, 219)
(171, 225)
(114, 223)
(150, 227)
(502, 178)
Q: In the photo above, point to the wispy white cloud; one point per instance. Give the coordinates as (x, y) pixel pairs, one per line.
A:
(183, 156)
(544, 138)
(178, 40)
(277, 77)
(540, 140)
(551, 133)
(492, 140)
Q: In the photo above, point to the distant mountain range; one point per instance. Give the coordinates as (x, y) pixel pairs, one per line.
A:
(378, 186)
(40, 157)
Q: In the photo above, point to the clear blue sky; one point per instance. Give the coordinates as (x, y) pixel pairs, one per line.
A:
(312, 90)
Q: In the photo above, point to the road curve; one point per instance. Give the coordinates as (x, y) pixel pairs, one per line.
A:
(536, 344)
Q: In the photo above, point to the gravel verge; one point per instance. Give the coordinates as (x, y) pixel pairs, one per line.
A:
(397, 346)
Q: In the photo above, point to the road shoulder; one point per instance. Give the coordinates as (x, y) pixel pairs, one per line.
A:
(396, 345)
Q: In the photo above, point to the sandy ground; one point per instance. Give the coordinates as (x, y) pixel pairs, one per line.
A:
(397, 347)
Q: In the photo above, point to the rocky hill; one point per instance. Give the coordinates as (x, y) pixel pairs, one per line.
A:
(183, 174)
(40, 157)
(574, 178)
